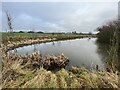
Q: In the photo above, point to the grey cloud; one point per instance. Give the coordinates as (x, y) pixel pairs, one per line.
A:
(60, 16)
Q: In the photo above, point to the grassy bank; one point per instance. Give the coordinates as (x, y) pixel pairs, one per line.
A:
(21, 71)
(14, 37)
(16, 75)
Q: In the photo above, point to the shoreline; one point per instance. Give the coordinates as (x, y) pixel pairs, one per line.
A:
(13, 45)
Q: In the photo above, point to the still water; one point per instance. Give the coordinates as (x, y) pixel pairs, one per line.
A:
(81, 52)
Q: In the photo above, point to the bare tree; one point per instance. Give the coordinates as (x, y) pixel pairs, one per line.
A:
(9, 22)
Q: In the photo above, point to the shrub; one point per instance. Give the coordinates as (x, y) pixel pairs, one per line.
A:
(21, 32)
(107, 31)
(31, 32)
(40, 32)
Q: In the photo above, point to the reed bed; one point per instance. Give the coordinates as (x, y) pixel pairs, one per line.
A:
(37, 60)
(16, 75)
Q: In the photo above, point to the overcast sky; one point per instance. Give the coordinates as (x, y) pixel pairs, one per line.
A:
(59, 16)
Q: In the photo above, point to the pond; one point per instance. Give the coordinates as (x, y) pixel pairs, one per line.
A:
(81, 52)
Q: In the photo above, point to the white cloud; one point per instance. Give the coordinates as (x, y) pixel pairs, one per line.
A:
(60, 0)
(90, 17)
(82, 17)
(27, 21)
(54, 27)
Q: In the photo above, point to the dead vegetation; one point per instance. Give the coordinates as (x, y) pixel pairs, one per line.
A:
(36, 60)
(16, 75)
(33, 71)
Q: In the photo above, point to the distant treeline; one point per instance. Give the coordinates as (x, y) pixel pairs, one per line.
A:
(73, 32)
(29, 32)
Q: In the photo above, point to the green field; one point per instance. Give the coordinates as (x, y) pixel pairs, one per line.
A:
(26, 36)
(4, 34)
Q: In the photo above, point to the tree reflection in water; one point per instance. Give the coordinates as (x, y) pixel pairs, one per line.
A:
(103, 50)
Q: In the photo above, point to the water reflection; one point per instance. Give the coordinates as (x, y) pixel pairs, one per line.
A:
(89, 39)
(53, 43)
(103, 50)
(81, 52)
